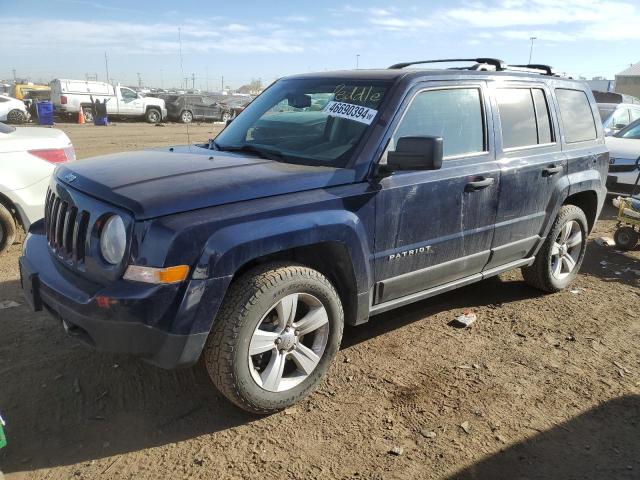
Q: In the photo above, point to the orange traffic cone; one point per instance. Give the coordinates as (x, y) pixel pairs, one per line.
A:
(80, 117)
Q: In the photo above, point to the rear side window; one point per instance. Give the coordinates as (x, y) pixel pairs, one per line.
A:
(577, 118)
(524, 116)
(634, 113)
(453, 114)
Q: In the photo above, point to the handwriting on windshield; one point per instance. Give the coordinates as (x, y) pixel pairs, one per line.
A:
(363, 94)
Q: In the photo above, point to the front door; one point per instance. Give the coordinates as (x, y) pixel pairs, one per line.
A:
(435, 227)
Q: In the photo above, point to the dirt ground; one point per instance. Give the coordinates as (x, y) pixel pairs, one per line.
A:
(541, 386)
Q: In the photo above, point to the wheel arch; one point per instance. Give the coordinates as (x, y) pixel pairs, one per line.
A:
(587, 201)
(14, 209)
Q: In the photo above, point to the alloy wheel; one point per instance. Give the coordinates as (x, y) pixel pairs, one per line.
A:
(565, 251)
(288, 342)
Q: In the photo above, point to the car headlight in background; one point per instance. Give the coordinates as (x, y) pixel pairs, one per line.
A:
(113, 240)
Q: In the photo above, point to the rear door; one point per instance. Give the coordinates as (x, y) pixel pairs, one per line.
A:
(534, 169)
(435, 227)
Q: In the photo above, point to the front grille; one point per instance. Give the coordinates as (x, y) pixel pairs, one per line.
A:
(66, 227)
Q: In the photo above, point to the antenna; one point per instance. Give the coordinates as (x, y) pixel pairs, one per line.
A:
(182, 73)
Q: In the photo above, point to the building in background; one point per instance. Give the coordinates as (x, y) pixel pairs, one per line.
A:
(601, 84)
(628, 81)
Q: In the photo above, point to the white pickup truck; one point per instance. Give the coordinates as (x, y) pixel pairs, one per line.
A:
(72, 96)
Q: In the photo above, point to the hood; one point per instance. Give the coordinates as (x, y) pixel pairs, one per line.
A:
(154, 183)
(623, 147)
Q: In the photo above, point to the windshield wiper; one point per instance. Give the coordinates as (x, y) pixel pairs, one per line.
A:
(260, 152)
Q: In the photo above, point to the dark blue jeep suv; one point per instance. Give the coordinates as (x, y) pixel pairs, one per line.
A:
(333, 197)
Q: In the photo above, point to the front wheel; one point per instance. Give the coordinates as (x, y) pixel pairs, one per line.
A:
(186, 116)
(559, 259)
(226, 116)
(153, 116)
(275, 336)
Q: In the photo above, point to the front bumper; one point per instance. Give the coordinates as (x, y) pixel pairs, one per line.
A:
(166, 325)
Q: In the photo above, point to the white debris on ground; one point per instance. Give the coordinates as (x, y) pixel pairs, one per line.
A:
(8, 304)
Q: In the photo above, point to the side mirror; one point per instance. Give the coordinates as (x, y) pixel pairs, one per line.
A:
(619, 126)
(416, 153)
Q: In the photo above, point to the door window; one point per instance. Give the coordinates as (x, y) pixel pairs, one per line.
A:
(524, 117)
(620, 118)
(577, 117)
(634, 114)
(453, 114)
(128, 95)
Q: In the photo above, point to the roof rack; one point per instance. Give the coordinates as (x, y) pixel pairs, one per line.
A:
(482, 64)
(498, 64)
(536, 66)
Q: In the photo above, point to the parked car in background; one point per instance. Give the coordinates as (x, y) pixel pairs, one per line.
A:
(21, 91)
(624, 151)
(616, 116)
(189, 107)
(12, 110)
(237, 105)
(28, 156)
(254, 249)
(72, 96)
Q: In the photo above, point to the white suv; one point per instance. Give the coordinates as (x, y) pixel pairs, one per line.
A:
(28, 156)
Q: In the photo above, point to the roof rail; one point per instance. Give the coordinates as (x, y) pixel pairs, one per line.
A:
(498, 64)
(536, 66)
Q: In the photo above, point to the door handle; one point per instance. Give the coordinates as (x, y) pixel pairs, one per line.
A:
(551, 170)
(479, 184)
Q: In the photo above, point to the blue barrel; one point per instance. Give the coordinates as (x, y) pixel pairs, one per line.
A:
(45, 113)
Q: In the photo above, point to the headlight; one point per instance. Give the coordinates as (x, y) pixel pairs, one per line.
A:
(113, 240)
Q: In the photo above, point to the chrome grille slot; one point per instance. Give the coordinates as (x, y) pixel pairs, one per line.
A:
(66, 227)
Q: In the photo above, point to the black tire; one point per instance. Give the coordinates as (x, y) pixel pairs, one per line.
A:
(8, 229)
(226, 116)
(540, 274)
(153, 115)
(87, 112)
(186, 116)
(626, 238)
(16, 116)
(248, 300)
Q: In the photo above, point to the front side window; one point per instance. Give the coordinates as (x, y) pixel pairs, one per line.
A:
(620, 118)
(576, 114)
(524, 117)
(308, 121)
(453, 114)
(128, 94)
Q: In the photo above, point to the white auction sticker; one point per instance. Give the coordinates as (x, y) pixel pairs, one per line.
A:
(350, 111)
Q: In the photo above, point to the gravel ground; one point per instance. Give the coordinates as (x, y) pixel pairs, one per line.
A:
(541, 386)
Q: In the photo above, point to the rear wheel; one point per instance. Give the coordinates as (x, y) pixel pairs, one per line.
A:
(8, 229)
(626, 238)
(559, 259)
(16, 116)
(186, 116)
(153, 115)
(274, 337)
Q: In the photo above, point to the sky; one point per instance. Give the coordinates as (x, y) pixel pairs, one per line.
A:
(242, 40)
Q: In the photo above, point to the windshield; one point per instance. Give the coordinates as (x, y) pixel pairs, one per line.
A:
(308, 121)
(630, 131)
(605, 113)
(6, 128)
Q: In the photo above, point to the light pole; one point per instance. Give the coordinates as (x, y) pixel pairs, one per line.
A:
(357, 60)
(531, 48)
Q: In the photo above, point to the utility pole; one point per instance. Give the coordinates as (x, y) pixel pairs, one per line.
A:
(106, 65)
(161, 80)
(357, 60)
(531, 48)
(193, 81)
(139, 80)
(221, 83)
